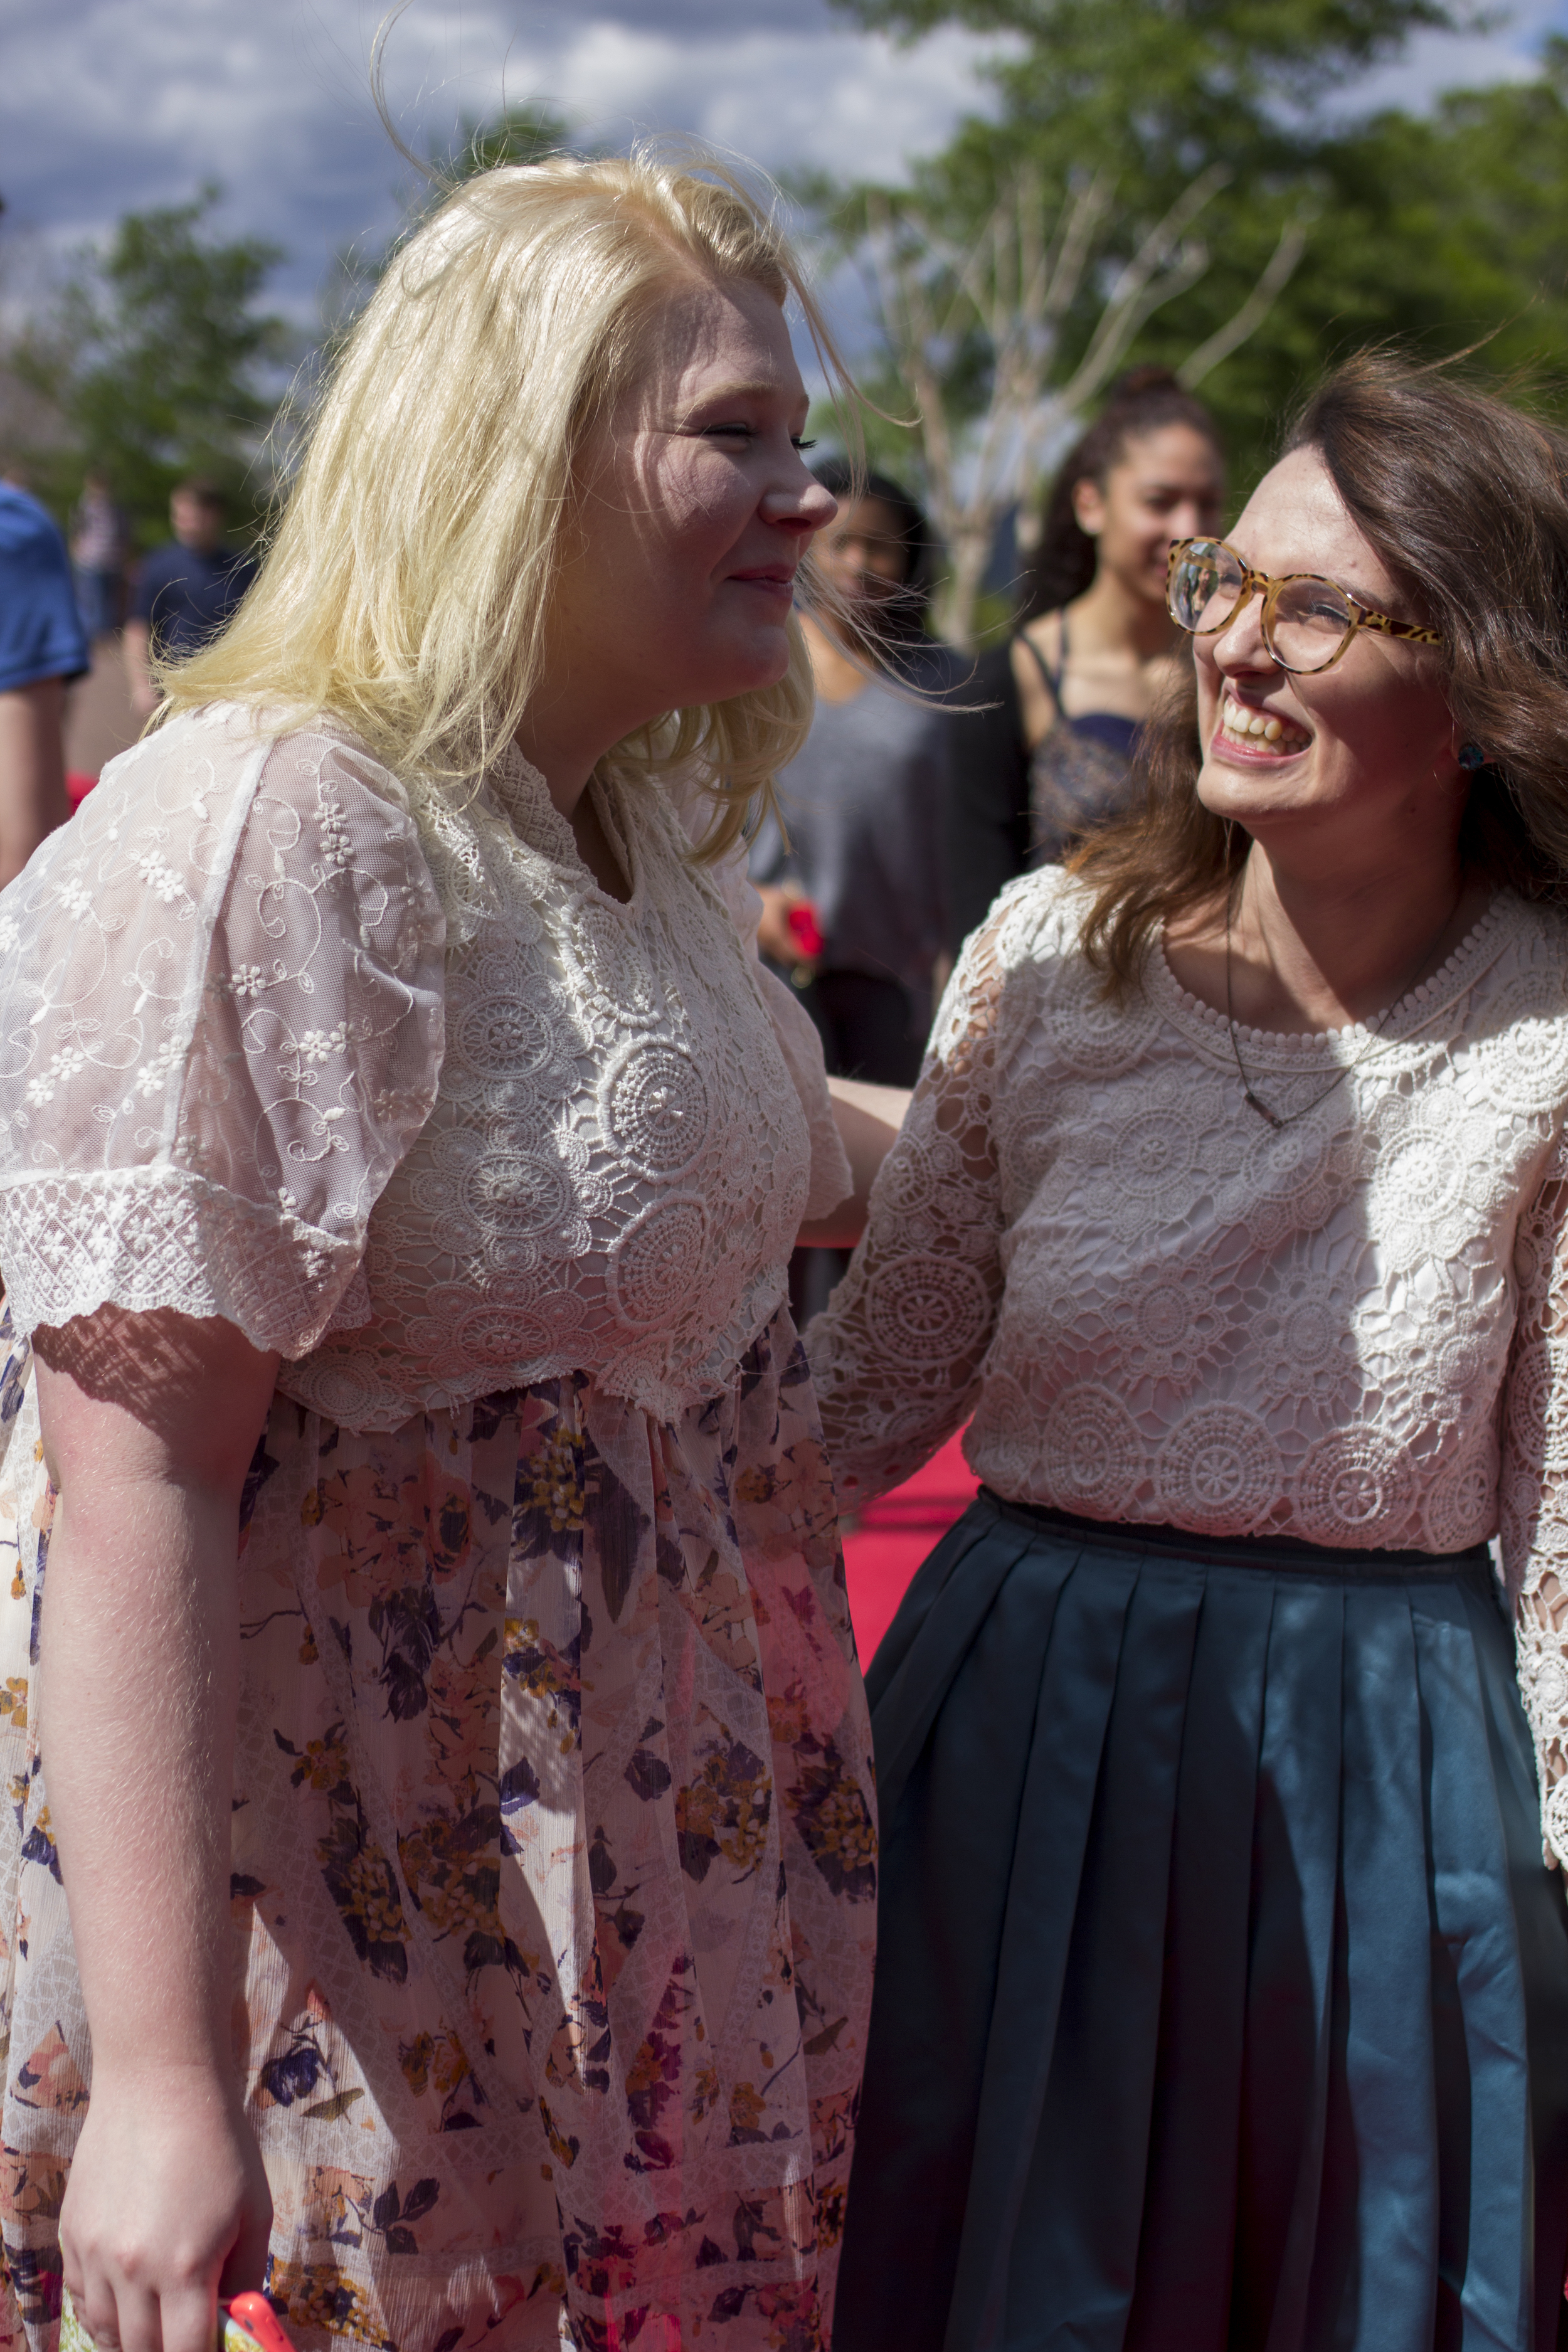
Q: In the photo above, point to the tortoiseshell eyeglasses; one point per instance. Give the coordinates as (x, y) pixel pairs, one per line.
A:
(1308, 621)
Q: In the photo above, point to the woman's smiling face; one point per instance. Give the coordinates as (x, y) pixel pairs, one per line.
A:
(1371, 739)
(696, 507)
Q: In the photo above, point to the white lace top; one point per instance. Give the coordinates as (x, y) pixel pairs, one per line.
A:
(1351, 1331)
(391, 1083)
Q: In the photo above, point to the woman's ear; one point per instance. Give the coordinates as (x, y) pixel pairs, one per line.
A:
(1088, 507)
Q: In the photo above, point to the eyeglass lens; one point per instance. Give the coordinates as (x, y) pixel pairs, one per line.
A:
(1309, 623)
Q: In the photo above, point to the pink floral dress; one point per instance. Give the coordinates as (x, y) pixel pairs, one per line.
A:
(553, 1847)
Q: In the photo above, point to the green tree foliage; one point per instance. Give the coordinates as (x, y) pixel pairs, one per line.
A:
(1433, 231)
(158, 361)
(1441, 232)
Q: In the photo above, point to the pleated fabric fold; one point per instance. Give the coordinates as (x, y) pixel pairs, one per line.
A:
(1222, 1992)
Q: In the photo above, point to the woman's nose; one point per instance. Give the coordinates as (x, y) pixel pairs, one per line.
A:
(808, 508)
(1241, 644)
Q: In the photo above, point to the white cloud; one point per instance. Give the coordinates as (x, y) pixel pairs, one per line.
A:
(113, 105)
(110, 106)
(1436, 62)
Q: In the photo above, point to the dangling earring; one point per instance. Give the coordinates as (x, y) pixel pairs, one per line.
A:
(1471, 757)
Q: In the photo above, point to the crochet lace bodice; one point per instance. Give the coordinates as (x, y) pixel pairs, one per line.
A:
(1351, 1331)
(384, 1077)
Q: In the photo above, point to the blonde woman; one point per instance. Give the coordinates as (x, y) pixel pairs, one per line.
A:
(462, 1907)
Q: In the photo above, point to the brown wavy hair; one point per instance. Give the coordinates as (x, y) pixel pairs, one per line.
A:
(1466, 499)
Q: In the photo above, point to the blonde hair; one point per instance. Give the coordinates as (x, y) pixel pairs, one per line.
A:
(405, 591)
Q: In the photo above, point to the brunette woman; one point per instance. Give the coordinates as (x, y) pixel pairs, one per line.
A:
(1049, 755)
(859, 829)
(1222, 1988)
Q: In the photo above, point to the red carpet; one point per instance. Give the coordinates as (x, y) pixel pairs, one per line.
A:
(893, 1538)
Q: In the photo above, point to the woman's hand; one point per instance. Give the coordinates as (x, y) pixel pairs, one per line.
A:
(167, 2207)
(773, 934)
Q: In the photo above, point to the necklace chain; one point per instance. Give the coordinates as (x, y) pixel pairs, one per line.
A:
(1278, 1119)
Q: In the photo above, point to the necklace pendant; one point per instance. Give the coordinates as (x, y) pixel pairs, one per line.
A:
(1263, 1110)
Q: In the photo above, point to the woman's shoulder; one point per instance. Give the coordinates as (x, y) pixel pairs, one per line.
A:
(214, 801)
(226, 751)
(1037, 918)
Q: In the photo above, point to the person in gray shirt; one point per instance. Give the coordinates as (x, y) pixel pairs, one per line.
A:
(864, 802)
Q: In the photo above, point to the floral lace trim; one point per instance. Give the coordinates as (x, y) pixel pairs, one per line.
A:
(1406, 1027)
(150, 1238)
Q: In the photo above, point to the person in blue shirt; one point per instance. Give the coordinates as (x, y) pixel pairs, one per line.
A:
(186, 590)
(42, 648)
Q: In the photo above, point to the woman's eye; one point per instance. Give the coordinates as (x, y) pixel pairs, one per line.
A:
(800, 443)
(736, 431)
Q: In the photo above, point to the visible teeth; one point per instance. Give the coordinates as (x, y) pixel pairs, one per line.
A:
(1255, 725)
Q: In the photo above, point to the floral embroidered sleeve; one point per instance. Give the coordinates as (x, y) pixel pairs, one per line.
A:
(897, 1357)
(220, 1029)
(1532, 1492)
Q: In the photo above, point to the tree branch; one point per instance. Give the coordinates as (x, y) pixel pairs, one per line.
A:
(1256, 309)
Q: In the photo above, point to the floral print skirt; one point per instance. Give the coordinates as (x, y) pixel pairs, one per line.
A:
(554, 1873)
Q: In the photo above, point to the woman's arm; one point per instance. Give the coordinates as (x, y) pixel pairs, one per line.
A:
(868, 1118)
(149, 1425)
(1533, 1496)
(895, 1357)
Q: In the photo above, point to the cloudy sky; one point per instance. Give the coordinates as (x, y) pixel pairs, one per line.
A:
(109, 105)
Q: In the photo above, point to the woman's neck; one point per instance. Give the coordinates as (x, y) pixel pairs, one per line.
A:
(1109, 616)
(1305, 953)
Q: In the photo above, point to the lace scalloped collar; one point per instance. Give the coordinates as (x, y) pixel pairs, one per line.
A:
(1406, 1024)
(521, 795)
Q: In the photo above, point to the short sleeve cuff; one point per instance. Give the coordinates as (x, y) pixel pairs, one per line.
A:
(144, 1239)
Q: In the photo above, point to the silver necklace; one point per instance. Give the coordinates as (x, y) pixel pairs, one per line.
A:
(1255, 1101)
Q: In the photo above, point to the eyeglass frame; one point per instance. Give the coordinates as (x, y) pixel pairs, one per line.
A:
(1362, 615)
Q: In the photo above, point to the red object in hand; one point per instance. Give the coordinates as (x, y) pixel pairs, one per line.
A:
(256, 2315)
(805, 929)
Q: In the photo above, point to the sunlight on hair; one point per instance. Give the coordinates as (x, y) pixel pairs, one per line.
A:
(405, 591)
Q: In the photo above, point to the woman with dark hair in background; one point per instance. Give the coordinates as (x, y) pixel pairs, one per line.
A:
(861, 840)
(1048, 758)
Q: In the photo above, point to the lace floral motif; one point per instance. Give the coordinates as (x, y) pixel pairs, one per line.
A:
(220, 1025)
(1157, 1311)
(237, 1076)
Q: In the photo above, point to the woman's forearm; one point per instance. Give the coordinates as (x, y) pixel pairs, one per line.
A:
(149, 1424)
(868, 1118)
(140, 1680)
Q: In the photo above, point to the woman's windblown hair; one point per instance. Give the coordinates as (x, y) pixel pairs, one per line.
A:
(405, 590)
(1466, 499)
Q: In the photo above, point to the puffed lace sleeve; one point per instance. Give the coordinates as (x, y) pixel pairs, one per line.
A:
(221, 1024)
(799, 1039)
(1533, 1488)
(895, 1357)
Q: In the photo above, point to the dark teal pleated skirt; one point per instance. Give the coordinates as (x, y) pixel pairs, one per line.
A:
(1222, 1994)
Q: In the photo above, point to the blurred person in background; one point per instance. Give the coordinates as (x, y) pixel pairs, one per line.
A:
(42, 648)
(1050, 757)
(860, 843)
(97, 546)
(186, 590)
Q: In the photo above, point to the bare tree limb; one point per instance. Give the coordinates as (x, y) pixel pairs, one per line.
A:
(1009, 288)
(1256, 309)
